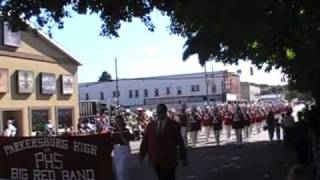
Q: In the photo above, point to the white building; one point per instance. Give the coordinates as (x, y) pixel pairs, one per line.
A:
(171, 89)
(249, 91)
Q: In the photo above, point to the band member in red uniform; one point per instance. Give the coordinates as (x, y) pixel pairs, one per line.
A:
(183, 120)
(206, 120)
(246, 122)
(237, 125)
(194, 125)
(227, 119)
(217, 125)
(253, 116)
(259, 119)
(161, 143)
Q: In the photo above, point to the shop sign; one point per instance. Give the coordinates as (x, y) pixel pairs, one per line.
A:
(10, 38)
(67, 84)
(25, 81)
(3, 80)
(48, 83)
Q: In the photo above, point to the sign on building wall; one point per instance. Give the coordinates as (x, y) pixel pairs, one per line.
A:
(10, 38)
(3, 80)
(25, 81)
(67, 84)
(46, 158)
(48, 83)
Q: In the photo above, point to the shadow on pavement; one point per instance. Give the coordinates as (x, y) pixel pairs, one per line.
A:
(251, 161)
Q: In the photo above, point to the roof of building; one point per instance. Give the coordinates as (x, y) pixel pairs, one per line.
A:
(59, 47)
(164, 77)
(55, 44)
(173, 76)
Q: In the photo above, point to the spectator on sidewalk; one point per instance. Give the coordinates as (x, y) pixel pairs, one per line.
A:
(121, 138)
(10, 130)
(161, 143)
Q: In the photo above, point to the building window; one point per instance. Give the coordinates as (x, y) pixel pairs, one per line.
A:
(64, 118)
(168, 91)
(136, 93)
(39, 118)
(156, 92)
(179, 91)
(130, 94)
(87, 96)
(114, 94)
(146, 94)
(195, 88)
(101, 96)
(213, 88)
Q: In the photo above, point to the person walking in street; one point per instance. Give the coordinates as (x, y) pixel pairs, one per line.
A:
(217, 125)
(121, 137)
(303, 140)
(237, 125)
(194, 125)
(161, 143)
(271, 125)
(287, 125)
(278, 119)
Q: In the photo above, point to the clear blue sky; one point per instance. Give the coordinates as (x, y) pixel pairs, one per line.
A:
(140, 53)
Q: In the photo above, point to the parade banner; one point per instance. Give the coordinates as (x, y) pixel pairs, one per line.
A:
(56, 158)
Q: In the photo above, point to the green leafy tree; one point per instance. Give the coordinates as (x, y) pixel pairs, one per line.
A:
(105, 76)
(279, 33)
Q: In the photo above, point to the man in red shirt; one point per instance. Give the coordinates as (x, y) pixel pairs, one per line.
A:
(161, 142)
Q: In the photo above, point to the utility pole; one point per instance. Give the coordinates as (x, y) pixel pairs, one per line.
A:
(206, 79)
(117, 83)
(213, 92)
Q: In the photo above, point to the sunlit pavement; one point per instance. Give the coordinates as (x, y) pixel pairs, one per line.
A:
(254, 160)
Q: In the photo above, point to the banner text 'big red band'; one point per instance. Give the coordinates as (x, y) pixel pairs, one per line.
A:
(56, 158)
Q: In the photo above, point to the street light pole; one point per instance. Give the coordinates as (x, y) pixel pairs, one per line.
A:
(117, 83)
(206, 79)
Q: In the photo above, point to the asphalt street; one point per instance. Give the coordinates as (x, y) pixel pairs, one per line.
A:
(254, 160)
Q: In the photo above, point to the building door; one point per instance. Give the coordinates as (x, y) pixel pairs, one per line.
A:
(16, 116)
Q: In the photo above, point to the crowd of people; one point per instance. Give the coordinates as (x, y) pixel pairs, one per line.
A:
(245, 119)
(156, 126)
